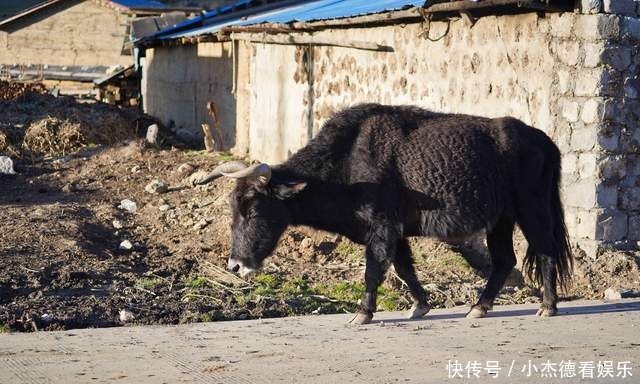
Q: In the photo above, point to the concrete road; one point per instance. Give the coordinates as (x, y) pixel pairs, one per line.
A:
(598, 338)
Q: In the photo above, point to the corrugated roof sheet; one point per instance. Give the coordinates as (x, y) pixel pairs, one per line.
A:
(308, 11)
(118, 4)
(133, 4)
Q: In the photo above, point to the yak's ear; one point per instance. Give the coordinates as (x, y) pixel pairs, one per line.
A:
(287, 190)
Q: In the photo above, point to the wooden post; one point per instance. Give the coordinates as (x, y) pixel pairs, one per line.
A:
(208, 139)
(214, 115)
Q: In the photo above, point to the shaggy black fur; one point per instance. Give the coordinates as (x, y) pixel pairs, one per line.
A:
(378, 174)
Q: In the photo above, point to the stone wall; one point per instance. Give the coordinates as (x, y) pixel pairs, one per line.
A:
(82, 33)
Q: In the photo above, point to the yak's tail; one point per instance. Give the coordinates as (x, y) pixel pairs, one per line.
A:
(559, 246)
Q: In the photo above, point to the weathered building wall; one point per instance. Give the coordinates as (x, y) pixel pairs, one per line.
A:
(573, 76)
(278, 125)
(84, 33)
(179, 81)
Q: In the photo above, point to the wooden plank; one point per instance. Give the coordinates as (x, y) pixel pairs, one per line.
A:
(455, 6)
(309, 40)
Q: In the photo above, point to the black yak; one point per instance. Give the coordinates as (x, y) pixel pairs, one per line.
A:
(378, 174)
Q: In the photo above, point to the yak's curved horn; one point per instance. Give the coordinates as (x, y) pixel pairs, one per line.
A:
(230, 166)
(261, 171)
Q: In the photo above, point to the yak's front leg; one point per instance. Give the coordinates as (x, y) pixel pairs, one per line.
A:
(378, 258)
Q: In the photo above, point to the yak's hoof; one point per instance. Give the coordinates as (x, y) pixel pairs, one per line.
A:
(477, 312)
(547, 311)
(361, 318)
(417, 311)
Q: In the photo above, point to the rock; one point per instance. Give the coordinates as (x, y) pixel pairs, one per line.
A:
(126, 245)
(126, 316)
(6, 165)
(186, 169)
(46, 318)
(618, 293)
(61, 160)
(306, 243)
(157, 186)
(164, 207)
(152, 134)
(200, 224)
(68, 188)
(612, 294)
(135, 169)
(128, 205)
(117, 224)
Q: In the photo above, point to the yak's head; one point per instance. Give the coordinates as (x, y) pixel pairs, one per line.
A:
(260, 214)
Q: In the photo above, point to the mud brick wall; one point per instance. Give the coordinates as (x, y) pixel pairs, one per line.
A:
(177, 83)
(84, 33)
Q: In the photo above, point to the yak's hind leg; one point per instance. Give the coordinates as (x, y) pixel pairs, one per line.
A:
(503, 259)
(403, 264)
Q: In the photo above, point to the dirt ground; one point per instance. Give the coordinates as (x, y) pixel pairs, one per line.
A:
(71, 257)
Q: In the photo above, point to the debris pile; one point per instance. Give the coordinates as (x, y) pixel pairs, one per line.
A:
(12, 91)
(36, 124)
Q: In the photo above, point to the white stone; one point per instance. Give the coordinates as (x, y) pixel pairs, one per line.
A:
(634, 228)
(583, 139)
(632, 88)
(126, 245)
(152, 134)
(117, 224)
(593, 54)
(586, 223)
(607, 196)
(587, 165)
(589, 83)
(620, 7)
(631, 27)
(608, 141)
(598, 26)
(200, 224)
(618, 57)
(612, 226)
(569, 163)
(564, 81)
(591, 111)
(561, 24)
(590, 6)
(590, 247)
(630, 199)
(613, 167)
(164, 207)
(128, 205)
(126, 316)
(570, 110)
(6, 165)
(568, 51)
(612, 294)
(581, 194)
(157, 186)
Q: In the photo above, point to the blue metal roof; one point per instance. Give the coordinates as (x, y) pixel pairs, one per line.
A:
(200, 20)
(305, 11)
(139, 3)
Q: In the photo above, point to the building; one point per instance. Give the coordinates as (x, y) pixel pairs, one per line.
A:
(70, 42)
(570, 69)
